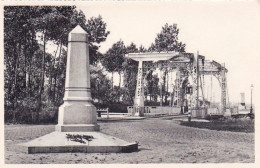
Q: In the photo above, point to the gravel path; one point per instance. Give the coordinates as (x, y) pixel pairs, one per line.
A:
(160, 141)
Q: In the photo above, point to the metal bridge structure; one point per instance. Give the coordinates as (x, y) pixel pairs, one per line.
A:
(186, 65)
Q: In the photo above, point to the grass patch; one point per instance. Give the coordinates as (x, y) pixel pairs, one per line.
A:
(234, 125)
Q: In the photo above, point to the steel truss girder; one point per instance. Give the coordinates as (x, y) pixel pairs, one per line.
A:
(219, 71)
(186, 64)
(165, 65)
(184, 69)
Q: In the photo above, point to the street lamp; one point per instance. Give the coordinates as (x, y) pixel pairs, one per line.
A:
(98, 83)
(251, 109)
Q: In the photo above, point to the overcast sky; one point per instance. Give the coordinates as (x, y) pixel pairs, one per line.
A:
(228, 32)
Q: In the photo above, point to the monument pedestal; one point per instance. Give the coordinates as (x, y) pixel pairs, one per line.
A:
(77, 117)
(56, 142)
(77, 128)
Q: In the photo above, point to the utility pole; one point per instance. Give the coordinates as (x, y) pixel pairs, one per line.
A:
(198, 83)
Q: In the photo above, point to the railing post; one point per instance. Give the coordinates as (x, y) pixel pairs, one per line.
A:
(107, 113)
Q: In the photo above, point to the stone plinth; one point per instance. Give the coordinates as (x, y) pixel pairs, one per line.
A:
(56, 142)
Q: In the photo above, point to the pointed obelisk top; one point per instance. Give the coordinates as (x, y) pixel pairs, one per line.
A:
(78, 29)
(78, 34)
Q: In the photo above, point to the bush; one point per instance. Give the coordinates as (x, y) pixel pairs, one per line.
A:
(118, 107)
(49, 113)
(152, 103)
(26, 112)
(8, 114)
(235, 125)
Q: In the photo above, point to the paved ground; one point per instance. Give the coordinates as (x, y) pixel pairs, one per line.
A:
(160, 141)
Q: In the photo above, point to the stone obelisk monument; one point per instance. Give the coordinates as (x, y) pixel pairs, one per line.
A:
(77, 114)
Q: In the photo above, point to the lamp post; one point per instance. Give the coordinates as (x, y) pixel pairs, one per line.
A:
(98, 83)
(251, 109)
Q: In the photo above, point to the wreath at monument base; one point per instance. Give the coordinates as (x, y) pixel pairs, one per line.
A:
(79, 138)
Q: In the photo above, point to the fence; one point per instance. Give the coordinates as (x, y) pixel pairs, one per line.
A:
(152, 110)
(99, 111)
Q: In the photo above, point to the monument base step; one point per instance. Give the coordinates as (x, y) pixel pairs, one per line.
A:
(57, 142)
(77, 128)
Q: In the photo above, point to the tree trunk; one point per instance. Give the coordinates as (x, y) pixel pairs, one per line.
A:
(29, 79)
(42, 79)
(166, 87)
(55, 78)
(15, 82)
(119, 73)
(131, 99)
(30, 67)
(161, 95)
(112, 80)
(25, 64)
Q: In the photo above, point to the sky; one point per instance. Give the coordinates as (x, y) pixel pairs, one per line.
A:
(228, 32)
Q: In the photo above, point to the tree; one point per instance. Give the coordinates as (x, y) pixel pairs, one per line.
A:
(114, 58)
(152, 48)
(19, 47)
(96, 29)
(152, 86)
(31, 74)
(100, 85)
(45, 21)
(130, 68)
(167, 40)
(142, 49)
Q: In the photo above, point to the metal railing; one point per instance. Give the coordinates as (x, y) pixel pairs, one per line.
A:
(100, 110)
(136, 110)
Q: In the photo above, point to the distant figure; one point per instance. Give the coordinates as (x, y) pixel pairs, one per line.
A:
(189, 116)
(186, 109)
